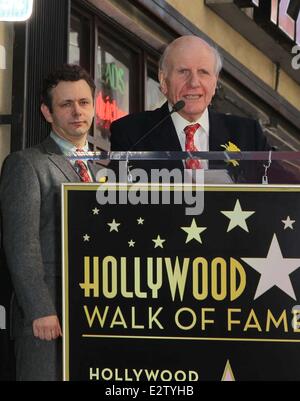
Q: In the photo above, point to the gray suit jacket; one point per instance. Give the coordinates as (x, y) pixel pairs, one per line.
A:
(31, 222)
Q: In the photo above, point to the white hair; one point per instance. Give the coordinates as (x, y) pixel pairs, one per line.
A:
(214, 50)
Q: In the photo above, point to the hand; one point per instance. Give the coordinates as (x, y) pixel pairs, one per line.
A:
(47, 328)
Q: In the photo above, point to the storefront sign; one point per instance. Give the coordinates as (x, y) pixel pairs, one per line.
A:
(271, 26)
(15, 10)
(107, 111)
(281, 17)
(296, 59)
(114, 77)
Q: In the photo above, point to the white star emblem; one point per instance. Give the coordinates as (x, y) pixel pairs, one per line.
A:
(86, 238)
(288, 223)
(113, 226)
(193, 232)
(158, 242)
(237, 217)
(95, 211)
(274, 270)
(140, 221)
(131, 243)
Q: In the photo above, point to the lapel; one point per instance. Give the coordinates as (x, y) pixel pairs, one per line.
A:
(61, 162)
(94, 168)
(218, 131)
(218, 135)
(165, 136)
(168, 136)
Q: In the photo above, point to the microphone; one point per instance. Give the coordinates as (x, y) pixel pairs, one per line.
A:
(177, 106)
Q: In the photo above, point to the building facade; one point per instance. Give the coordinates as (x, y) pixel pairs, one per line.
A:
(120, 41)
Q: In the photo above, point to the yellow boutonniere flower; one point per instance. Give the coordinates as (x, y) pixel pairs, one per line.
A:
(231, 147)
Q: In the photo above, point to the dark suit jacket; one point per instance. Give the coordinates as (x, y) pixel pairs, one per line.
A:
(30, 200)
(243, 132)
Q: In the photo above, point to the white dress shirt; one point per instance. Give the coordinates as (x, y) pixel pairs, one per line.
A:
(69, 149)
(201, 137)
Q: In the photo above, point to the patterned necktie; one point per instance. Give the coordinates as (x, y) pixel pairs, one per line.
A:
(82, 169)
(190, 130)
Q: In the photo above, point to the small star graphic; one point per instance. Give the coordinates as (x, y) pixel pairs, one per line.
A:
(237, 217)
(86, 238)
(113, 226)
(131, 243)
(193, 232)
(288, 223)
(274, 270)
(158, 242)
(95, 211)
(140, 221)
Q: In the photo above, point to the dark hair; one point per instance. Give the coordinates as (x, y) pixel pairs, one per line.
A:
(68, 72)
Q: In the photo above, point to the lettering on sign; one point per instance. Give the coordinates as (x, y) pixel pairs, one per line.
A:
(107, 111)
(296, 59)
(285, 14)
(114, 77)
(281, 16)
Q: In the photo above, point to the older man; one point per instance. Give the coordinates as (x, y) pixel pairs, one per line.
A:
(189, 71)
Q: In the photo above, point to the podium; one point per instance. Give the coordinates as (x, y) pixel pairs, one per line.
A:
(153, 292)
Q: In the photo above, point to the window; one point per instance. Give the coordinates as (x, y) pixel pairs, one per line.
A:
(124, 70)
(80, 43)
(113, 74)
(74, 40)
(154, 97)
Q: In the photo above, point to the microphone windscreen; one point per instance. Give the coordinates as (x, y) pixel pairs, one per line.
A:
(179, 105)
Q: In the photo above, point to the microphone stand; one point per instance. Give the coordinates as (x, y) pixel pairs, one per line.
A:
(177, 106)
(129, 175)
(267, 166)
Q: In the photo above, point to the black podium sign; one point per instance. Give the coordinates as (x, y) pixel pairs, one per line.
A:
(152, 293)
